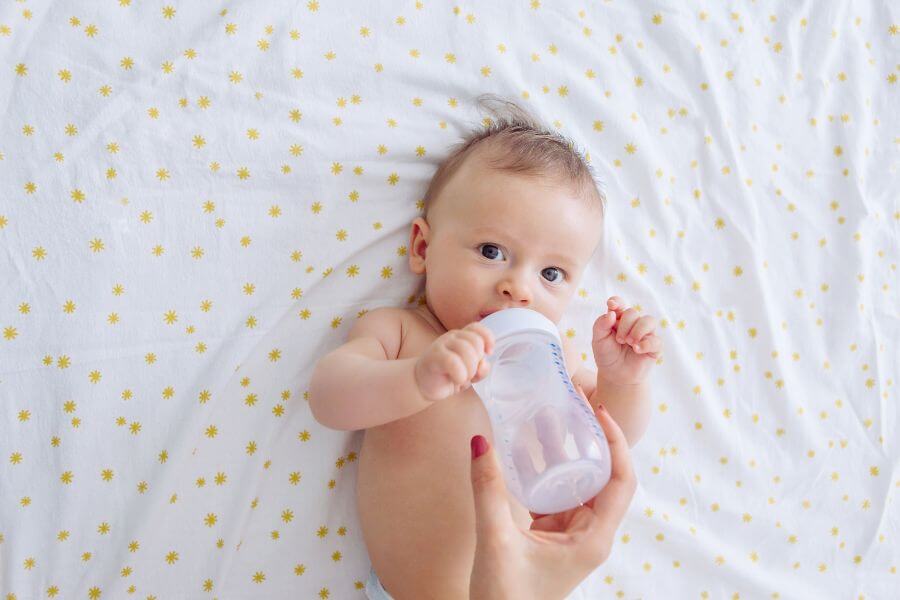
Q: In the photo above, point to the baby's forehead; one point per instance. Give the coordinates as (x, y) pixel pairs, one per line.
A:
(489, 202)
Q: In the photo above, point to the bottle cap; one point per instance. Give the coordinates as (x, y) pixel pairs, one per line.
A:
(519, 320)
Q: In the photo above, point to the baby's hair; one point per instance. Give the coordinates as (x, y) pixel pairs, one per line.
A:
(517, 142)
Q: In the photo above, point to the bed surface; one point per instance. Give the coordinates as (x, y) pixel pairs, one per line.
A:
(198, 199)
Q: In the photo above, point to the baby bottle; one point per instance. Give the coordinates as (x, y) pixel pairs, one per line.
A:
(553, 451)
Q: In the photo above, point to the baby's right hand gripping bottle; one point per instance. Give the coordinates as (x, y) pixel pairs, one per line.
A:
(553, 451)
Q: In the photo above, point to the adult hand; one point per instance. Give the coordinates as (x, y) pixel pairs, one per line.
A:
(559, 550)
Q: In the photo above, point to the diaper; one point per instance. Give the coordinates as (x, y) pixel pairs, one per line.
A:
(375, 591)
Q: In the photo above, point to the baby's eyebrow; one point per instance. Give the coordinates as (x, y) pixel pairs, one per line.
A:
(490, 230)
(563, 259)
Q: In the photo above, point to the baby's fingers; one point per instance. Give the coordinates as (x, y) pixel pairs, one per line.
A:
(603, 326)
(484, 368)
(642, 327)
(477, 340)
(467, 353)
(482, 331)
(453, 367)
(651, 345)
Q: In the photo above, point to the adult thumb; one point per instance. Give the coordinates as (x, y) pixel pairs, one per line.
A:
(492, 515)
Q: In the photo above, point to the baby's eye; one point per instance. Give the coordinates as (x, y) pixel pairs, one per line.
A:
(492, 253)
(555, 279)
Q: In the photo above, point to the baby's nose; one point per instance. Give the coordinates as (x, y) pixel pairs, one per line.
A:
(517, 293)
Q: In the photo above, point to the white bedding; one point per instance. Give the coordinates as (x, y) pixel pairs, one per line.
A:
(234, 184)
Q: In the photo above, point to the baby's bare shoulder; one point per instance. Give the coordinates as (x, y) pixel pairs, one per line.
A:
(571, 355)
(384, 324)
(411, 331)
(419, 330)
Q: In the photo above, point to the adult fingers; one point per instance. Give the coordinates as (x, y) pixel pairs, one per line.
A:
(493, 520)
(612, 502)
(551, 434)
(524, 462)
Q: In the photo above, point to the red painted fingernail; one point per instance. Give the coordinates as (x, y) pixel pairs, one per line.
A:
(479, 446)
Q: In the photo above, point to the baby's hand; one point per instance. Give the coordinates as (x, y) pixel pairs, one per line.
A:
(624, 345)
(447, 366)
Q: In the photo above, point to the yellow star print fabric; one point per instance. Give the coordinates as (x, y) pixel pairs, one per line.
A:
(198, 199)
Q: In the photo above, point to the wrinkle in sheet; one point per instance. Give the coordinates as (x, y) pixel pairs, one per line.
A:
(178, 379)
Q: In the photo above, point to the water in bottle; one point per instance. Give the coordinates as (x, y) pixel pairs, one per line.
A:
(553, 451)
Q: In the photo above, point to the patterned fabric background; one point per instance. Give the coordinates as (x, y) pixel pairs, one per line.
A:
(197, 199)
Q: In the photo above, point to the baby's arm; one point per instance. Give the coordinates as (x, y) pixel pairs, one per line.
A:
(629, 405)
(361, 384)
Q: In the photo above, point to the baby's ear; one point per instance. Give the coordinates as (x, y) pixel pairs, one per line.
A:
(419, 231)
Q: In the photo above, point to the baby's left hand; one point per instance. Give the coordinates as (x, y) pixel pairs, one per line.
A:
(624, 344)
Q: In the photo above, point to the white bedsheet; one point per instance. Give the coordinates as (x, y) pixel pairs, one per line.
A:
(197, 200)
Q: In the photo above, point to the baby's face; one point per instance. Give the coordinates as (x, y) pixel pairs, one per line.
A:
(498, 240)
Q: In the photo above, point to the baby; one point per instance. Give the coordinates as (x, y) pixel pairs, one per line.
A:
(512, 219)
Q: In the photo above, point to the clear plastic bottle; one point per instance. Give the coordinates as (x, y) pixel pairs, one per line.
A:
(553, 451)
